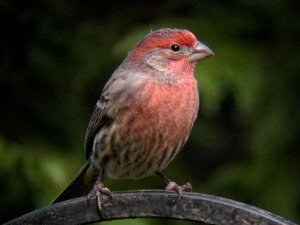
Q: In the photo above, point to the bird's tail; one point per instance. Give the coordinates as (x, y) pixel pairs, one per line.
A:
(81, 185)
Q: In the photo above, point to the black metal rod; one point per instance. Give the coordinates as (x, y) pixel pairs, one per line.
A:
(144, 204)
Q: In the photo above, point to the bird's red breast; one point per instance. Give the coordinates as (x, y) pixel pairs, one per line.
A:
(154, 129)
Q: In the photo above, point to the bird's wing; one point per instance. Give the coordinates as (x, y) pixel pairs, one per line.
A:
(106, 109)
(98, 119)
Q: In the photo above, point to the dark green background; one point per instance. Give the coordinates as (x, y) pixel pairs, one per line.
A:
(57, 55)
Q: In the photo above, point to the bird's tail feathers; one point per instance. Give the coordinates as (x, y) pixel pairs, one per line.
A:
(81, 185)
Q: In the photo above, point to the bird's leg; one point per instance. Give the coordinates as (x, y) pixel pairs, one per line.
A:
(172, 186)
(101, 192)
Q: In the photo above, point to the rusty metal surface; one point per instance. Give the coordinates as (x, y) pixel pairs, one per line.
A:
(136, 204)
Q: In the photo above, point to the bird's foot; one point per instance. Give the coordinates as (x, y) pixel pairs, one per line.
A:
(172, 186)
(102, 193)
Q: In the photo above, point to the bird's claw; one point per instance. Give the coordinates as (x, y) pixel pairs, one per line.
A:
(172, 186)
(187, 187)
(102, 193)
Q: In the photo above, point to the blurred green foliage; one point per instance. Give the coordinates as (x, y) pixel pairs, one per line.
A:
(57, 55)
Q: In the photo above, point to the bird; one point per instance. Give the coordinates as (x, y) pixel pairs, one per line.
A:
(144, 114)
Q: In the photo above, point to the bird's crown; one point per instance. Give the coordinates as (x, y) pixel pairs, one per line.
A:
(164, 38)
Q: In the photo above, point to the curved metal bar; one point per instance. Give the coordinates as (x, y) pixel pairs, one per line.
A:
(137, 204)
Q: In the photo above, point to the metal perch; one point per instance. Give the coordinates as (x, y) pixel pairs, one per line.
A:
(151, 203)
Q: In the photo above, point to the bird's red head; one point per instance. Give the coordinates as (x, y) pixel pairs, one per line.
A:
(164, 38)
(168, 50)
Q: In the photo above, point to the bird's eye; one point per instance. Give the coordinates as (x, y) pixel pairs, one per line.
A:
(175, 47)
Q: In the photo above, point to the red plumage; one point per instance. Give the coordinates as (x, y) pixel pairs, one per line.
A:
(163, 39)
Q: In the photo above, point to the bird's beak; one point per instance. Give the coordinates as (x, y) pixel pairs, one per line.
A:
(199, 51)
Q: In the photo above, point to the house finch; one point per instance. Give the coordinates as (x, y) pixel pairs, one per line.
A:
(144, 114)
